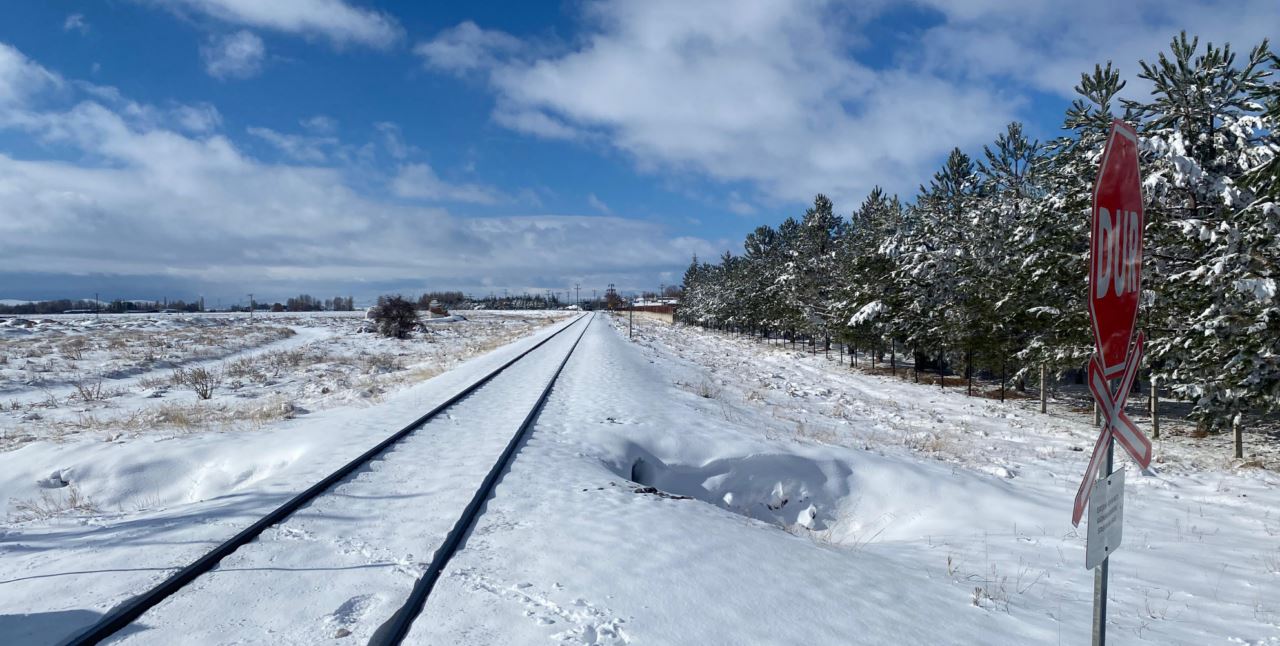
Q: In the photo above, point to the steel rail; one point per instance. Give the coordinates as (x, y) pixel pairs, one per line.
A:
(394, 630)
(128, 611)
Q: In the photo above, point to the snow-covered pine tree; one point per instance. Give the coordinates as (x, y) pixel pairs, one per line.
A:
(764, 259)
(1265, 179)
(1053, 238)
(813, 265)
(697, 287)
(787, 280)
(1214, 245)
(938, 296)
(1010, 175)
(866, 299)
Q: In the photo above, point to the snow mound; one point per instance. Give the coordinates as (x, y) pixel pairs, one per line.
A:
(781, 489)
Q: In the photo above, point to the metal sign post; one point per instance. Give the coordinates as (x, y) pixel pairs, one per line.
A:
(1100, 574)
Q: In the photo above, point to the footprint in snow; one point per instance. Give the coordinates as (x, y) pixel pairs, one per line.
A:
(352, 611)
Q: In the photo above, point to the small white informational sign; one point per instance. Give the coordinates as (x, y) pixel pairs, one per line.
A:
(1106, 519)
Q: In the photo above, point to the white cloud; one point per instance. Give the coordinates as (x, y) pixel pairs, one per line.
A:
(759, 92)
(197, 118)
(738, 205)
(76, 22)
(21, 79)
(297, 147)
(533, 121)
(335, 20)
(136, 195)
(466, 48)
(320, 124)
(393, 140)
(598, 204)
(776, 94)
(1046, 45)
(200, 118)
(420, 182)
(234, 56)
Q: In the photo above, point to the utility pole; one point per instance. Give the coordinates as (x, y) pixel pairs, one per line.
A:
(631, 316)
(577, 300)
(96, 306)
(251, 307)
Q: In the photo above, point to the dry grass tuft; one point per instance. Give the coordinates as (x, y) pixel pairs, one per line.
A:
(49, 505)
(90, 391)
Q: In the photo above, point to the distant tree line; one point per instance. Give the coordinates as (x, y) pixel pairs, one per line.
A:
(988, 264)
(302, 303)
(520, 302)
(308, 303)
(445, 299)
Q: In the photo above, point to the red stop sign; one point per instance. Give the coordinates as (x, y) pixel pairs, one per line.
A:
(1115, 270)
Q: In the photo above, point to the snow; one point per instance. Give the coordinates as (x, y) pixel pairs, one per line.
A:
(75, 375)
(1262, 289)
(368, 572)
(684, 487)
(162, 500)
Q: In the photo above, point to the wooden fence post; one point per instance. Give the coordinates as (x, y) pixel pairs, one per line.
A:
(968, 371)
(942, 376)
(1044, 388)
(893, 356)
(1155, 407)
(1238, 435)
(1004, 373)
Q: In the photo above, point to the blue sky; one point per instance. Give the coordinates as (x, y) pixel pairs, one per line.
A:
(179, 148)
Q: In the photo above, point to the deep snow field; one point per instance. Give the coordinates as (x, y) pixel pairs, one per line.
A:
(1200, 563)
(119, 376)
(684, 487)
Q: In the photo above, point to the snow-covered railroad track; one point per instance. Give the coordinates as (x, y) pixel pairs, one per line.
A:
(417, 492)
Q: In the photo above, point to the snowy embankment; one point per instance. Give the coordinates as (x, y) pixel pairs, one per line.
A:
(832, 508)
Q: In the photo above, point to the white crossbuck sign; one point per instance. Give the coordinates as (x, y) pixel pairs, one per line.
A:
(1116, 422)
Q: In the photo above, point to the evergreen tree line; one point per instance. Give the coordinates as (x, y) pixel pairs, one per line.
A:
(445, 299)
(521, 302)
(988, 266)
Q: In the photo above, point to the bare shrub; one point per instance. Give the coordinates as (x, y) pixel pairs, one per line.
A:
(202, 381)
(242, 368)
(74, 348)
(90, 391)
(154, 383)
(285, 360)
(68, 499)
